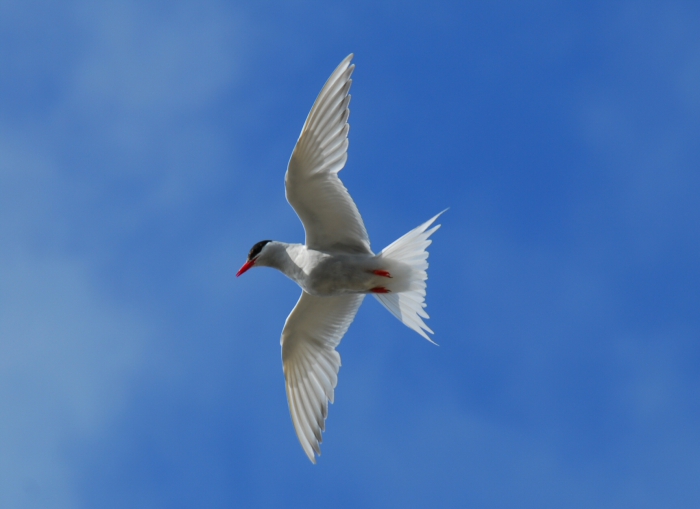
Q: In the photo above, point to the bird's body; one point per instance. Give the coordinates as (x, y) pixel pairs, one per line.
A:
(336, 268)
(326, 274)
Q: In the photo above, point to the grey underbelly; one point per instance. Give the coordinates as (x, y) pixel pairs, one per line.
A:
(335, 277)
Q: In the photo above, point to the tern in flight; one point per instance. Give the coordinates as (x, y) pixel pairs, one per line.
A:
(336, 267)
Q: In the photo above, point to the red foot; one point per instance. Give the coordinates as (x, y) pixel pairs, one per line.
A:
(379, 289)
(382, 273)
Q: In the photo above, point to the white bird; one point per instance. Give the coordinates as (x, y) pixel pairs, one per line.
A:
(336, 268)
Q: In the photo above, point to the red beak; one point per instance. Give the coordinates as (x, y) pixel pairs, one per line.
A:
(245, 267)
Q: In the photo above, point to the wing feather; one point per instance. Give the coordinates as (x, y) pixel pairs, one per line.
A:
(300, 424)
(312, 332)
(330, 217)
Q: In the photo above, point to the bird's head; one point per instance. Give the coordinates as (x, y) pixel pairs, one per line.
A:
(256, 252)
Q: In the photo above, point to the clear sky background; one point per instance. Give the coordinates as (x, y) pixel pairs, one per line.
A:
(142, 153)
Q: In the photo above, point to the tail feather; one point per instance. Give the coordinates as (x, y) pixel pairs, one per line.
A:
(411, 251)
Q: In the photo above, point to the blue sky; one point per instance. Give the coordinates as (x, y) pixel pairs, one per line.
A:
(142, 153)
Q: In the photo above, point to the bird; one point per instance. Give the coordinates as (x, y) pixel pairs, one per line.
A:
(336, 268)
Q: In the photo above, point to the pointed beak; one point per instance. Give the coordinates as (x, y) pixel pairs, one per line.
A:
(245, 267)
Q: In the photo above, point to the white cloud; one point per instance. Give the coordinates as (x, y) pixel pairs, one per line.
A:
(66, 357)
(68, 350)
(171, 59)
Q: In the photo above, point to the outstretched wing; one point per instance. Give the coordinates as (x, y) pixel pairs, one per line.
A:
(312, 331)
(330, 217)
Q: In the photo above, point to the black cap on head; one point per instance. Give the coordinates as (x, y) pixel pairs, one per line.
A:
(255, 250)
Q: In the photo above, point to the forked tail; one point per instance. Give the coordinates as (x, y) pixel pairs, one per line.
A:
(411, 252)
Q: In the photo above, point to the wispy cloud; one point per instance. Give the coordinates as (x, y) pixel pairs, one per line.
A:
(119, 110)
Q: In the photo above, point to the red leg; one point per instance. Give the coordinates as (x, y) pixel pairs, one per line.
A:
(382, 273)
(379, 289)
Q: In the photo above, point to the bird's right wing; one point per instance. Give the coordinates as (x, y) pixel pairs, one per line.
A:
(312, 331)
(330, 216)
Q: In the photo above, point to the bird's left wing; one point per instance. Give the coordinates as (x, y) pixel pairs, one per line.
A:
(330, 216)
(312, 331)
